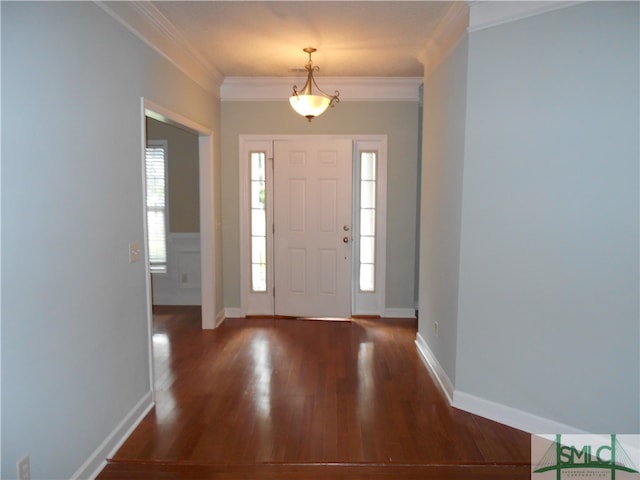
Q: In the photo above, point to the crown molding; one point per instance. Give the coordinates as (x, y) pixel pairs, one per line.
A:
(484, 14)
(448, 32)
(351, 88)
(146, 22)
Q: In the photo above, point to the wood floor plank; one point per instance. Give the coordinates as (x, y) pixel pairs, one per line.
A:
(266, 391)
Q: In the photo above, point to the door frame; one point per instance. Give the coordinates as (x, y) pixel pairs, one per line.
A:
(362, 303)
(210, 320)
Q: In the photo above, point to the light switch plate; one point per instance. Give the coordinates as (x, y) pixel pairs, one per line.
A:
(134, 252)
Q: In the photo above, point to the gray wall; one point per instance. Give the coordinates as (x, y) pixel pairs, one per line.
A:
(74, 313)
(548, 268)
(441, 205)
(399, 120)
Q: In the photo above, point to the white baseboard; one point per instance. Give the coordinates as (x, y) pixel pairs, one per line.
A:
(482, 407)
(181, 299)
(513, 417)
(98, 459)
(434, 366)
(399, 313)
(388, 313)
(233, 313)
(220, 317)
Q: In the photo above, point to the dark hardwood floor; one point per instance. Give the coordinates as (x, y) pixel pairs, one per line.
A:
(302, 399)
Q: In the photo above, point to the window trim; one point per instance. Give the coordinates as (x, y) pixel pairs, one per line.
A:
(254, 302)
(372, 302)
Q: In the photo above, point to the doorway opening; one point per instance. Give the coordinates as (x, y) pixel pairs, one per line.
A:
(173, 214)
(151, 110)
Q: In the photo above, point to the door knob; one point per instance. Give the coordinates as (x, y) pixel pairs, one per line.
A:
(345, 239)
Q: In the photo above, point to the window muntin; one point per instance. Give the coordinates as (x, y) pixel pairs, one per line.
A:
(156, 204)
(258, 222)
(367, 227)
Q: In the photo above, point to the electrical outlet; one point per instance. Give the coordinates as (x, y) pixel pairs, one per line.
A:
(24, 469)
(435, 328)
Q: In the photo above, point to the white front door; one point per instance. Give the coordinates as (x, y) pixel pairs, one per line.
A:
(312, 227)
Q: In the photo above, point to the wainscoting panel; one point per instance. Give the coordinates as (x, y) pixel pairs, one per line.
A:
(181, 284)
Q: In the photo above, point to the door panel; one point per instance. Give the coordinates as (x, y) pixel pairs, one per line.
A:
(312, 218)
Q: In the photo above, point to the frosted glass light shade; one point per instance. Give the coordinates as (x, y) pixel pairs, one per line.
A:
(309, 105)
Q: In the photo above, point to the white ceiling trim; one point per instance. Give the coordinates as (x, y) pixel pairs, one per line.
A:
(485, 14)
(449, 31)
(350, 88)
(152, 27)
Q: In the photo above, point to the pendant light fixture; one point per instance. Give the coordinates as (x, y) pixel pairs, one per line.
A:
(305, 102)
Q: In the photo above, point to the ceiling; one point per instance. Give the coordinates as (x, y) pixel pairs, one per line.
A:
(266, 38)
(246, 50)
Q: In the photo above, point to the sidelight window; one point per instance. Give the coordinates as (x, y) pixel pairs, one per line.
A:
(258, 222)
(367, 230)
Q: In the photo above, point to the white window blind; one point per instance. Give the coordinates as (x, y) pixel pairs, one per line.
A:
(156, 202)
